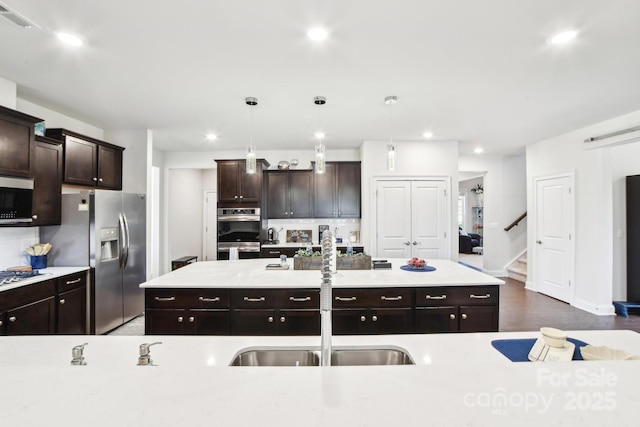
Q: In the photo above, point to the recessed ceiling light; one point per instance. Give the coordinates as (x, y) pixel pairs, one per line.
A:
(478, 150)
(212, 136)
(319, 135)
(427, 134)
(317, 34)
(70, 39)
(563, 37)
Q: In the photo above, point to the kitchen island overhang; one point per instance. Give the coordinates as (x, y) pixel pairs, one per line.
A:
(243, 298)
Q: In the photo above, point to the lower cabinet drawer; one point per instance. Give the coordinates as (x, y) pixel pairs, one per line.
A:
(187, 298)
(383, 297)
(186, 322)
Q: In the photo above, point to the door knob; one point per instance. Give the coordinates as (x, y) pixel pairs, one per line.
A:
(406, 243)
(539, 242)
(415, 243)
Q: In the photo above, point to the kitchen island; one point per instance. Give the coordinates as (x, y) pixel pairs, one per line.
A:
(241, 297)
(457, 379)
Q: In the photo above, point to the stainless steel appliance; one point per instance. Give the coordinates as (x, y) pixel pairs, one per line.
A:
(107, 231)
(272, 236)
(16, 197)
(239, 228)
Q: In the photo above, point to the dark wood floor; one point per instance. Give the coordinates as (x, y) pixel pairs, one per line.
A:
(524, 310)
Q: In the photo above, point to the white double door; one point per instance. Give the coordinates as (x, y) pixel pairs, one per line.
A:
(411, 219)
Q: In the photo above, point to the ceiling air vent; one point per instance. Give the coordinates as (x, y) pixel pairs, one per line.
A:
(16, 18)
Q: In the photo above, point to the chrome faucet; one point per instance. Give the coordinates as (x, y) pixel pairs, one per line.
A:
(325, 299)
(145, 354)
(76, 353)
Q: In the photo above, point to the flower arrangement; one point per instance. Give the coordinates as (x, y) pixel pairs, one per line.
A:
(478, 189)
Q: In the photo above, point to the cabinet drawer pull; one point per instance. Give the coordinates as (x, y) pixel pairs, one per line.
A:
(12, 319)
(444, 296)
(100, 179)
(270, 319)
(485, 296)
(165, 298)
(192, 319)
(180, 319)
(95, 178)
(363, 319)
(452, 316)
(274, 252)
(71, 282)
(398, 298)
(62, 301)
(346, 298)
(203, 299)
(464, 316)
(294, 299)
(254, 299)
(374, 318)
(1, 323)
(283, 319)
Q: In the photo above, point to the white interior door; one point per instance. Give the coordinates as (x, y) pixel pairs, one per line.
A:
(411, 219)
(428, 210)
(393, 219)
(554, 246)
(210, 250)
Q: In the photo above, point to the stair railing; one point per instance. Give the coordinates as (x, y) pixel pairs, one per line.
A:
(516, 222)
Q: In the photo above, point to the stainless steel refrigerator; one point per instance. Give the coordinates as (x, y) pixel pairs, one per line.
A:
(105, 230)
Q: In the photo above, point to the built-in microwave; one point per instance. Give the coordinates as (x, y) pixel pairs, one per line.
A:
(16, 198)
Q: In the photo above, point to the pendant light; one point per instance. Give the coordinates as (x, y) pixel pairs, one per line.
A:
(320, 159)
(391, 149)
(251, 150)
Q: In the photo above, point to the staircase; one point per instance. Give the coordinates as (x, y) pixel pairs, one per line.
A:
(517, 270)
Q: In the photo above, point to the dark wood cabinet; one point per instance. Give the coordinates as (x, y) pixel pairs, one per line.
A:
(457, 309)
(186, 322)
(372, 311)
(47, 182)
(337, 192)
(235, 186)
(17, 143)
(47, 307)
(289, 194)
(187, 312)
(355, 311)
(72, 304)
(36, 318)
(88, 161)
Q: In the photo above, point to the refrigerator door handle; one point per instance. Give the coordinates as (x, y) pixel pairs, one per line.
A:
(126, 241)
(123, 241)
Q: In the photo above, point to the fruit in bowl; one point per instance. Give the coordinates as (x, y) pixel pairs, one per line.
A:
(417, 263)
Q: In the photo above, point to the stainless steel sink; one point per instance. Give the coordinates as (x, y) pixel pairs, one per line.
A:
(347, 356)
(276, 357)
(370, 356)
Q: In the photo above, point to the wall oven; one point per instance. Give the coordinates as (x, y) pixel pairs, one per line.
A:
(239, 228)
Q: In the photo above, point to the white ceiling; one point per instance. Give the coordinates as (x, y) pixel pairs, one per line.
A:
(478, 72)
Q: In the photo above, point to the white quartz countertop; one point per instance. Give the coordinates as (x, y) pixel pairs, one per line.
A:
(45, 274)
(458, 379)
(252, 273)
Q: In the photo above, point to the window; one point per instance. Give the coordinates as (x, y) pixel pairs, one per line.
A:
(462, 203)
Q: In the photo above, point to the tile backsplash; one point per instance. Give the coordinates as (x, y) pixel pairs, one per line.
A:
(13, 242)
(343, 226)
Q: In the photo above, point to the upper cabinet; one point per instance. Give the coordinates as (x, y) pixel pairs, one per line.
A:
(235, 186)
(17, 154)
(47, 182)
(337, 191)
(88, 161)
(289, 194)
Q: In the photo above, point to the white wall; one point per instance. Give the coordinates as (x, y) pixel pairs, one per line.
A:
(54, 119)
(185, 213)
(413, 160)
(595, 207)
(136, 157)
(8, 93)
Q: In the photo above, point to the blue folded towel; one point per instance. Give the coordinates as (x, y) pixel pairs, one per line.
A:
(517, 350)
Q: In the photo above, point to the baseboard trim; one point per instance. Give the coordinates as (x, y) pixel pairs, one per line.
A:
(495, 273)
(600, 310)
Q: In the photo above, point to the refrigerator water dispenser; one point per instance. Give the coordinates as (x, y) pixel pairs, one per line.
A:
(109, 244)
